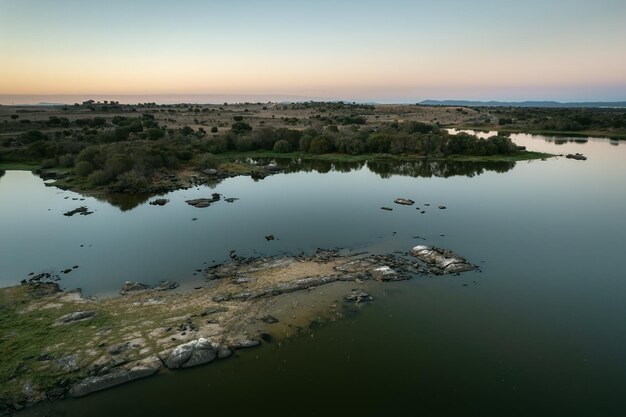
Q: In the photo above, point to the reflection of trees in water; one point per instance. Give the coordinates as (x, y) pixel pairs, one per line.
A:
(563, 141)
(124, 202)
(443, 169)
(386, 169)
(2, 172)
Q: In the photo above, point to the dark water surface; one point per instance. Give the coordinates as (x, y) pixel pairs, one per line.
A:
(540, 331)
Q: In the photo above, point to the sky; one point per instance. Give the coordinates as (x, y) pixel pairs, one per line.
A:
(392, 50)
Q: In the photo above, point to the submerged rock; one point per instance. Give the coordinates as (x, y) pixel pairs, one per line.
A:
(443, 261)
(133, 286)
(404, 201)
(386, 208)
(166, 285)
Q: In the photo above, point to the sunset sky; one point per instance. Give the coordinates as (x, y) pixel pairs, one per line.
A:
(356, 50)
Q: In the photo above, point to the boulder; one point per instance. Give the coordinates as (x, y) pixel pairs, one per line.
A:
(444, 261)
(196, 352)
(404, 201)
(77, 316)
(384, 273)
(98, 383)
(577, 156)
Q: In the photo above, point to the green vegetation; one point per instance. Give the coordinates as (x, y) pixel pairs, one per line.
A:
(585, 122)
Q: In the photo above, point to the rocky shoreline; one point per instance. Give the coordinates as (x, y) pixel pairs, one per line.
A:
(86, 345)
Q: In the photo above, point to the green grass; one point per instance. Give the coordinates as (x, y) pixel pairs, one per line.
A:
(19, 166)
(24, 335)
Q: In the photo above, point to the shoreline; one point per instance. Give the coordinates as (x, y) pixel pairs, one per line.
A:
(60, 344)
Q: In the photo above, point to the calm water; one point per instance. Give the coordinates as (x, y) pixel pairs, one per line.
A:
(540, 332)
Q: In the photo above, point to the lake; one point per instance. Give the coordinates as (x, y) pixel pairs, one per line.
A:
(539, 330)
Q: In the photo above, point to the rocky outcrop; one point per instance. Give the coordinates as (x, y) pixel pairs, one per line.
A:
(118, 377)
(404, 201)
(204, 202)
(441, 261)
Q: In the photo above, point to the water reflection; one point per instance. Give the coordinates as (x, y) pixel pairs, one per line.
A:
(2, 172)
(124, 202)
(388, 168)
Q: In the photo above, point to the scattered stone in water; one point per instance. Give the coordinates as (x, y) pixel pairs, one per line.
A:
(67, 271)
(83, 211)
(422, 212)
(194, 219)
(427, 204)
(231, 199)
(159, 202)
(386, 208)
(442, 207)
(269, 237)
(404, 201)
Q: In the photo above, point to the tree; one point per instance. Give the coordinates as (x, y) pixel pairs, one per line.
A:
(241, 127)
(282, 146)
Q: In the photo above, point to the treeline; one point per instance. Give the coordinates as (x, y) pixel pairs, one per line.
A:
(567, 120)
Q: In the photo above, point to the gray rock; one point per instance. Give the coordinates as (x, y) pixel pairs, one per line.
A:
(196, 352)
(166, 285)
(77, 316)
(404, 201)
(444, 261)
(98, 383)
(384, 273)
(269, 319)
(119, 348)
(133, 286)
(231, 199)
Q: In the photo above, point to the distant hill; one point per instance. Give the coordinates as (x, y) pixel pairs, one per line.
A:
(469, 103)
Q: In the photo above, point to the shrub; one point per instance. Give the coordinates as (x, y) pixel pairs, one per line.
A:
(214, 129)
(238, 118)
(241, 127)
(207, 161)
(48, 163)
(99, 177)
(83, 168)
(155, 133)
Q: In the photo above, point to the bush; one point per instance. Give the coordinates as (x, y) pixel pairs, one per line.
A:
(99, 177)
(207, 161)
(66, 160)
(238, 118)
(83, 168)
(320, 145)
(48, 163)
(132, 181)
(214, 129)
(241, 127)
(155, 133)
